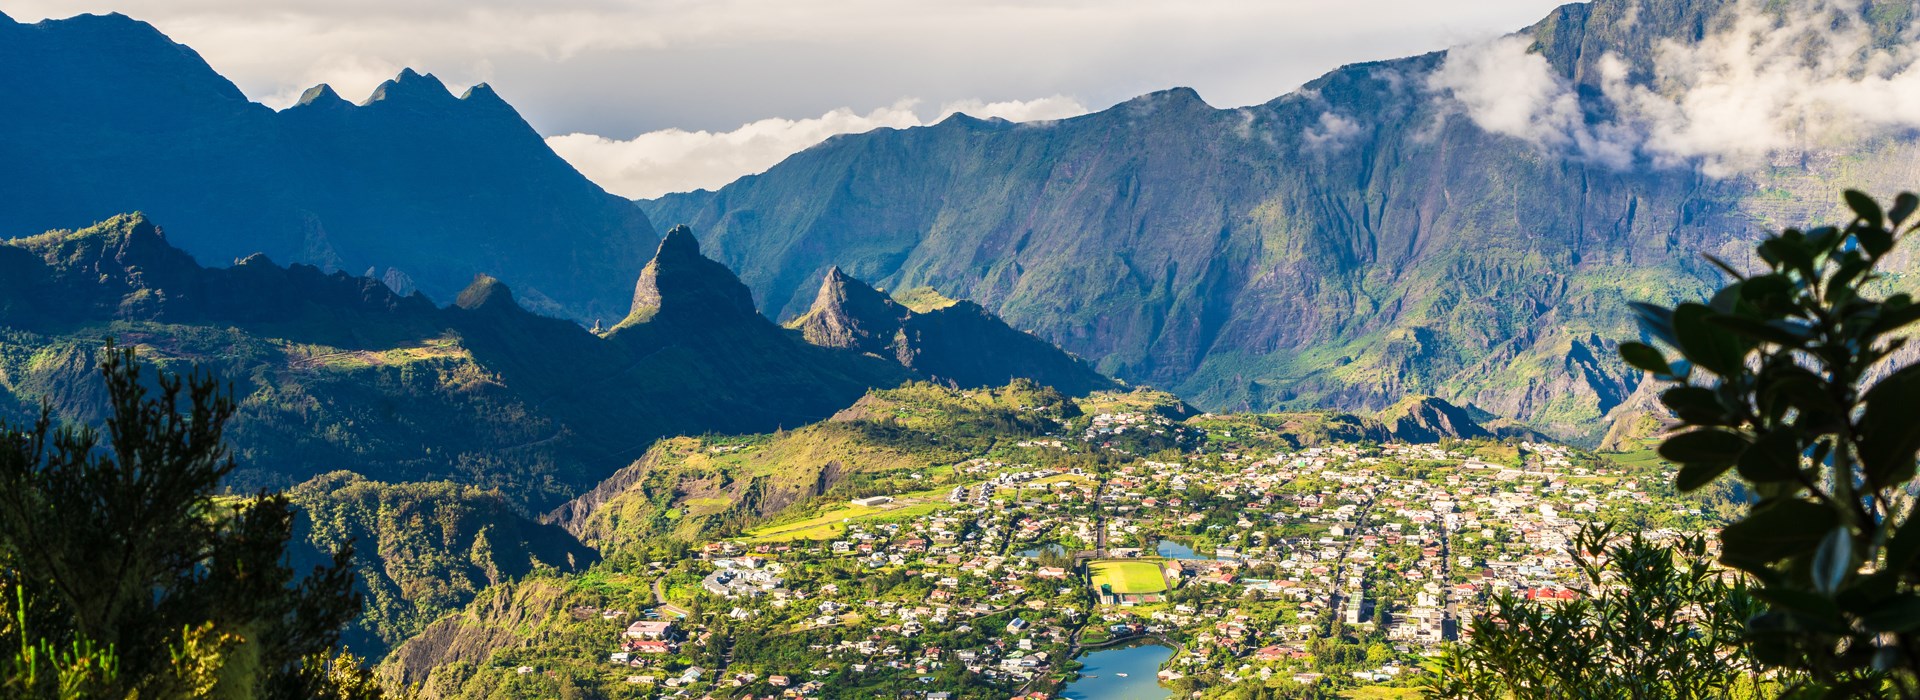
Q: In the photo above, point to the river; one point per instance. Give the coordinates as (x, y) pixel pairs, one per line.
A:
(1099, 679)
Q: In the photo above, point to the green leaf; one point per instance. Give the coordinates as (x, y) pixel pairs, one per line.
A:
(1894, 318)
(1802, 390)
(1779, 530)
(1903, 546)
(1707, 345)
(1772, 294)
(1704, 447)
(1833, 560)
(1644, 356)
(1793, 253)
(1890, 427)
(1798, 601)
(1776, 332)
(1656, 320)
(1876, 241)
(1694, 476)
(1775, 456)
(1695, 405)
(1903, 206)
(1899, 615)
(1867, 209)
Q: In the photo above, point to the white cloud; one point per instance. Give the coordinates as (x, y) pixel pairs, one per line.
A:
(1807, 80)
(1760, 83)
(1507, 89)
(676, 160)
(624, 67)
(1331, 133)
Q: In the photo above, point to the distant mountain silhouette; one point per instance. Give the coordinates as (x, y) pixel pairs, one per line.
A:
(104, 115)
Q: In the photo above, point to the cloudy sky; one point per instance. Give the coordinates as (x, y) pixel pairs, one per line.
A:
(651, 96)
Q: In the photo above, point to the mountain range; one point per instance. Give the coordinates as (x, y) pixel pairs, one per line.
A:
(1392, 228)
(1385, 230)
(106, 115)
(336, 371)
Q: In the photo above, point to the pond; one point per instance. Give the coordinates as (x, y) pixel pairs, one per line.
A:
(1174, 550)
(1099, 677)
(1035, 551)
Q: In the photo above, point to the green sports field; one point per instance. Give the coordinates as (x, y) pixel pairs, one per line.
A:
(1128, 576)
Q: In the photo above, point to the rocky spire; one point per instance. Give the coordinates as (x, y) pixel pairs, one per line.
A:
(846, 313)
(685, 288)
(486, 294)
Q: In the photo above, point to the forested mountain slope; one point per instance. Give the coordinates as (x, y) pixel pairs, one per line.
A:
(1466, 224)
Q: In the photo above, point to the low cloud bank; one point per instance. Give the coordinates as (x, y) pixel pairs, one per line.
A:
(676, 160)
(1760, 83)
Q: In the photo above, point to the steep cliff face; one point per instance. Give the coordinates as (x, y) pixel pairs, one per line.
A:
(1373, 235)
(953, 341)
(501, 617)
(107, 115)
(422, 550)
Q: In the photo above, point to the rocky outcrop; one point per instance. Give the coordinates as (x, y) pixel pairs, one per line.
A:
(502, 617)
(956, 342)
(681, 287)
(846, 313)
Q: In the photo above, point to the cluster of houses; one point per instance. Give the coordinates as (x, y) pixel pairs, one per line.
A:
(1281, 550)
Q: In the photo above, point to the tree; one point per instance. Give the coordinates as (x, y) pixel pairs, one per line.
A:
(1658, 620)
(1787, 379)
(133, 578)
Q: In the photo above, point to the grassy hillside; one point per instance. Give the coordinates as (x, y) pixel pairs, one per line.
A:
(892, 441)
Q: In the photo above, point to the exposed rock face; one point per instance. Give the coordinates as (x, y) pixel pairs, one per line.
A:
(1426, 419)
(958, 342)
(502, 617)
(847, 313)
(682, 287)
(105, 115)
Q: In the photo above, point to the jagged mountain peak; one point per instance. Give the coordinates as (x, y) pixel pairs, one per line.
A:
(486, 294)
(838, 287)
(123, 240)
(686, 288)
(849, 313)
(964, 120)
(944, 339)
(678, 243)
(410, 86)
(321, 95)
(483, 95)
(1177, 99)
